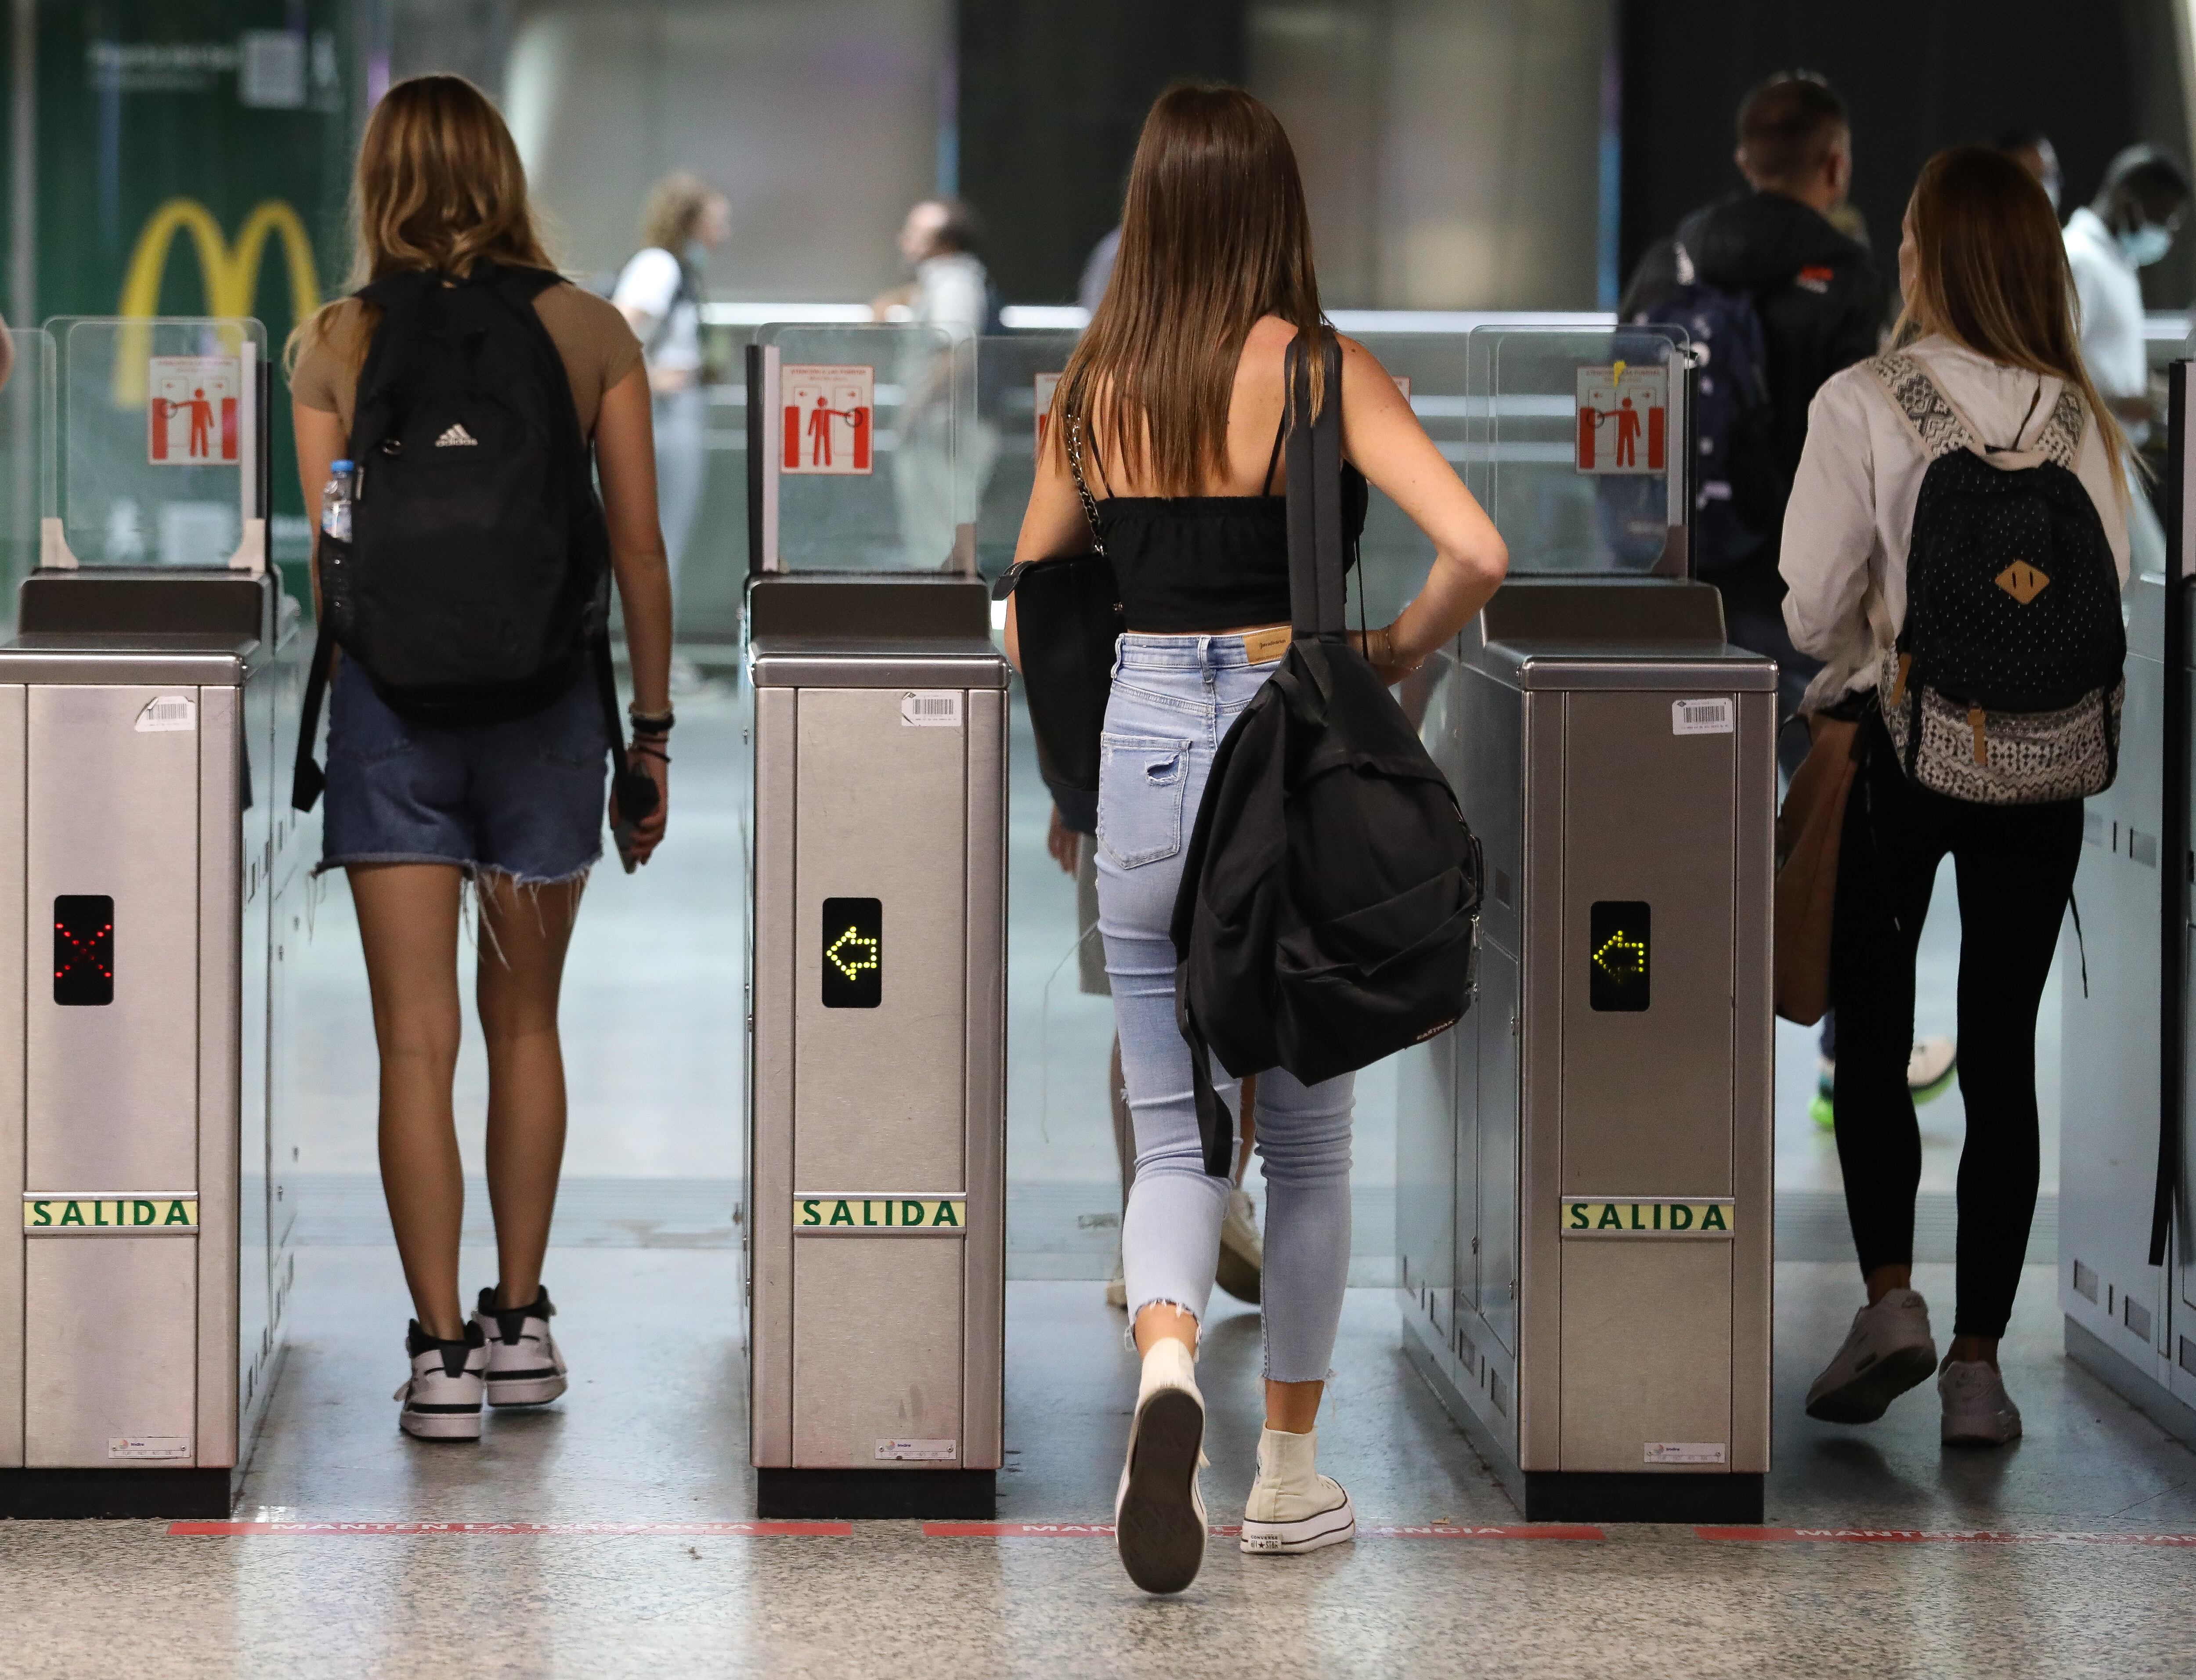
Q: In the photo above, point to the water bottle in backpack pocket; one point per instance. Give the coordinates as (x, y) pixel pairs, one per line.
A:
(2004, 685)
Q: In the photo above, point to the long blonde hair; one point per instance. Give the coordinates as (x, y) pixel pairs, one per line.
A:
(1991, 273)
(1213, 235)
(439, 186)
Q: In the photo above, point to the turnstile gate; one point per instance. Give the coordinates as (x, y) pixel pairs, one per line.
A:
(153, 875)
(1585, 1161)
(2127, 1264)
(876, 1129)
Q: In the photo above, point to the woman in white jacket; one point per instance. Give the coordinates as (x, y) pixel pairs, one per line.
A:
(1990, 315)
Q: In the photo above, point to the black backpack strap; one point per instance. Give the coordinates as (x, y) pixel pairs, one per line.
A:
(306, 780)
(1315, 496)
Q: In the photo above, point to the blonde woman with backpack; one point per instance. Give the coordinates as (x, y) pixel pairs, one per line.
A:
(418, 808)
(1171, 414)
(1955, 545)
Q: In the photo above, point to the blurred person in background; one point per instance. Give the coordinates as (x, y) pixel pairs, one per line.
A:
(2129, 225)
(1098, 272)
(1824, 305)
(2032, 148)
(659, 293)
(939, 495)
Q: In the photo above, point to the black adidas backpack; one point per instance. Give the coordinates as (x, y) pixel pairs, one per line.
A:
(1329, 908)
(2003, 686)
(475, 584)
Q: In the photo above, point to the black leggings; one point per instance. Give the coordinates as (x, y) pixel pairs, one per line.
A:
(2015, 866)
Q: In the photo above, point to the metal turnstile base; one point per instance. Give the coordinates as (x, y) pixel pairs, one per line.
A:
(1588, 1496)
(961, 1495)
(2163, 1407)
(29, 1493)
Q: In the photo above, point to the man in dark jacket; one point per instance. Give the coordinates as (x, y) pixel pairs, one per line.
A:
(1821, 298)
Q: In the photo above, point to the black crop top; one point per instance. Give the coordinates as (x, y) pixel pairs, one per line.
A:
(1191, 565)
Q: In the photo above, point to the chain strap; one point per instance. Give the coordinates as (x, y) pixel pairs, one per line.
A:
(1082, 489)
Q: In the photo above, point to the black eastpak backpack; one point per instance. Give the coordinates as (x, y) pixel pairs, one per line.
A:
(475, 584)
(1329, 909)
(2003, 686)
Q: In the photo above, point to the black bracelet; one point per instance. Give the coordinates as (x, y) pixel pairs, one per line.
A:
(656, 723)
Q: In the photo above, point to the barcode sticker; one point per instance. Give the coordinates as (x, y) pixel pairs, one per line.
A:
(1684, 1452)
(168, 712)
(934, 709)
(1701, 717)
(919, 1452)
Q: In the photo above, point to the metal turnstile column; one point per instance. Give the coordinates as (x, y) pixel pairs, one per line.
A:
(876, 1134)
(1586, 1225)
(151, 892)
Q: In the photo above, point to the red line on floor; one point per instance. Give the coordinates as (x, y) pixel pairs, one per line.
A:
(1422, 1531)
(1977, 1537)
(769, 1530)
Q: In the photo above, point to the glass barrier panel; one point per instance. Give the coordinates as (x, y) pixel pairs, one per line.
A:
(163, 456)
(871, 450)
(1015, 374)
(26, 458)
(1575, 446)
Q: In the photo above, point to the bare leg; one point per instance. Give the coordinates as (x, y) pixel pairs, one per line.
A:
(1159, 1322)
(407, 921)
(1293, 1407)
(525, 933)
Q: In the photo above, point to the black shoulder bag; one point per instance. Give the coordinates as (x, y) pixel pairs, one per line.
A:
(1067, 617)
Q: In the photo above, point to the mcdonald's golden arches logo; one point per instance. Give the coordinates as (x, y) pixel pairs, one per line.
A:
(231, 272)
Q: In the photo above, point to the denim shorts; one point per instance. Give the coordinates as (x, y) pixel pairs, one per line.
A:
(524, 797)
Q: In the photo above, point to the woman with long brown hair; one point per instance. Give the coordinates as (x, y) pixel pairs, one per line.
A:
(1171, 413)
(416, 809)
(1987, 397)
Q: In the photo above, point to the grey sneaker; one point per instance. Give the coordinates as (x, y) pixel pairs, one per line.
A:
(1977, 1410)
(1888, 1351)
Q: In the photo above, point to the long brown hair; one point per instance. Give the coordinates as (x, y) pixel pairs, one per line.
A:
(673, 210)
(439, 186)
(1991, 273)
(1213, 235)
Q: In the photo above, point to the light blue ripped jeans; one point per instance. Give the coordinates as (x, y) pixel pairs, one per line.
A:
(1174, 697)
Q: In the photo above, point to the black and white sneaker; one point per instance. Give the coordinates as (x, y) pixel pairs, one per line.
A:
(523, 1366)
(1159, 1510)
(443, 1396)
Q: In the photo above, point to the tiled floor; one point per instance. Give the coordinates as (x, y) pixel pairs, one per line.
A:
(652, 1437)
(653, 1434)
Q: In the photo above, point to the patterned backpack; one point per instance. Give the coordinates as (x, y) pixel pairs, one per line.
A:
(2003, 686)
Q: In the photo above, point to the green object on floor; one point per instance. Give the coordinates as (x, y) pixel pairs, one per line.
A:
(1822, 1113)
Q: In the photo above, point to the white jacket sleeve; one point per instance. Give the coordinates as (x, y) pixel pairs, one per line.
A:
(1829, 524)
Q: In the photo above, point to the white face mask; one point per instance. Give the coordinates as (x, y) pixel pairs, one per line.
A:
(2144, 245)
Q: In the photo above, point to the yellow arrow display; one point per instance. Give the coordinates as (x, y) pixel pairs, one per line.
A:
(1622, 957)
(851, 954)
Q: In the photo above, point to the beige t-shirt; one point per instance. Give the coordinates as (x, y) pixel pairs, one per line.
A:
(598, 347)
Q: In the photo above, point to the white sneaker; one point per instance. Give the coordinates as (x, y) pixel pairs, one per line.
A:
(1888, 1351)
(1116, 1286)
(1292, 1508)
(1977, 1410)
(1158, 1514)
(1242, 1253)
(443, 1396)
(523, 1366)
